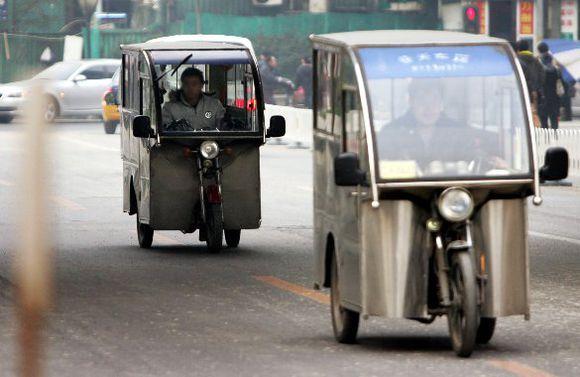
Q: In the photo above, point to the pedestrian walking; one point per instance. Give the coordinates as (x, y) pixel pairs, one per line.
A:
(303, 80)
(553, 88)
(272, 80)
(534, 74)
(568, 82)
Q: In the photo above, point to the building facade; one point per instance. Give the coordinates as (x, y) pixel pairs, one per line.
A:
(515, 19)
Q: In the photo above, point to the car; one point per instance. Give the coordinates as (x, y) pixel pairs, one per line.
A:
(111, 115)
(71, 89)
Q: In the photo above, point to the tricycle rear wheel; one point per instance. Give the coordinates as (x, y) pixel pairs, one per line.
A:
(233, 237)
(463, 315)
(144, 234)
(485, 330)
(344, 321)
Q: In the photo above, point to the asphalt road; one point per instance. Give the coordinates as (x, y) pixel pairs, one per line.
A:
(177, 310)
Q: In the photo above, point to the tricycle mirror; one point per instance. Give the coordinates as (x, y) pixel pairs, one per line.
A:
(555, 165)
(142, 127)
(79, 78)
(277, 126)
(346, 170)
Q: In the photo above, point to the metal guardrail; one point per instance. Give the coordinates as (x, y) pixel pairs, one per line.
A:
(569, 139)
(298, 124)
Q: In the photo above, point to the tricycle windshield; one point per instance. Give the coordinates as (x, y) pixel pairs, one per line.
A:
(449, 112)
(206, 91)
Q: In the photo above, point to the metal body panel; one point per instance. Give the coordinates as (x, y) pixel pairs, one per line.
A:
(500, 231)
(395, 260)
(175, 188)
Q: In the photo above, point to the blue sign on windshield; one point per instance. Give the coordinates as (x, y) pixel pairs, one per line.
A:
(444, 61)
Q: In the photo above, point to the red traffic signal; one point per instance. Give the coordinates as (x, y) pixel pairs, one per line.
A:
(470, 13)
(471, 19)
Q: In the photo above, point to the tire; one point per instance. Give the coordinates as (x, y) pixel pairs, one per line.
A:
(463, 316)
(51, 110)
(6, 119)
(110, 127)
(144, 234)
(485, 330)
(344, 321)
(233, 237)
(215, 228)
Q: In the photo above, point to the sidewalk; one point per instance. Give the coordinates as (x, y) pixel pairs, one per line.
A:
(573, 124)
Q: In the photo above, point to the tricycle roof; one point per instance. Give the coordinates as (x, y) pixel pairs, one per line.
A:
(193, 42)
(402, 37)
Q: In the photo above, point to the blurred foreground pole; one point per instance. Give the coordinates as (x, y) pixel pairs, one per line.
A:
(33, 266)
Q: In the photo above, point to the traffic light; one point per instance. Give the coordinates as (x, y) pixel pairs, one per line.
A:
(471, 19)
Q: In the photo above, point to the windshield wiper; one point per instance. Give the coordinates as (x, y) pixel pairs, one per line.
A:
(176, 68)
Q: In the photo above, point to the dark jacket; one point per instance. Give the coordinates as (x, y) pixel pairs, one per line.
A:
(304, 78)
(533, 71)
(550, 101)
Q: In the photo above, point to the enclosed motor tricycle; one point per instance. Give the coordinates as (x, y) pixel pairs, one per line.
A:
(192, 119)
(424, 157)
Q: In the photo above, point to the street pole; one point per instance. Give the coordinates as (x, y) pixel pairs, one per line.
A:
(33, 262)
(197, 17)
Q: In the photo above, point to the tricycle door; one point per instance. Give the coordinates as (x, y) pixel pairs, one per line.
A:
(350, 197)
(147, 108)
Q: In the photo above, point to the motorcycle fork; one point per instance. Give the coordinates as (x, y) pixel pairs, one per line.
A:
(443, 256)
(203, 195)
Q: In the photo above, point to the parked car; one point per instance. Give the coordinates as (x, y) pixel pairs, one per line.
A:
(71, 88)
(111, 115)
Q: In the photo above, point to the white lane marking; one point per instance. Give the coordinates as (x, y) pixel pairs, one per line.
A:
(87, 144)
(69, 204)
(554, 237)
(6, 183)
(304, 188)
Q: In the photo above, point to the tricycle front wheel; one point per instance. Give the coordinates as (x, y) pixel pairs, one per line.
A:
(463, 315)
(215, 228)
(344, 321)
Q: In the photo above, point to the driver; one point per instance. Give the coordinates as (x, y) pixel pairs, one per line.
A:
(425, 133)
(191, 104)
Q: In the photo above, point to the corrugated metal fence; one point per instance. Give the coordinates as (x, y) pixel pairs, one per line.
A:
(20, 54)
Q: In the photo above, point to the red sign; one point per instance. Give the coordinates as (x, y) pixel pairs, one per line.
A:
(526, 17)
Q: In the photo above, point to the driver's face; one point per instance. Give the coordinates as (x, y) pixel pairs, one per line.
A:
(191, 87)
(427, 107)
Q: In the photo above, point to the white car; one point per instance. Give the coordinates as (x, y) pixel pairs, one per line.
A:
(71, 88)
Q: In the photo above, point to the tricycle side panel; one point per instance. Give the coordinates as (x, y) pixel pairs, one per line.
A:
(500, 231)
(395, 260)
(241, 188)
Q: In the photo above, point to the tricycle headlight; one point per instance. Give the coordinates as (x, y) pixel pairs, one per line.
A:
(455, 204)
(209, 149)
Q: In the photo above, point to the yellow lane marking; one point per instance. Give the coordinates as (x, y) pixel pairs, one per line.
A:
(87, 144)
(69, 204)
(519, 369)
(295, 288)
(6, 183)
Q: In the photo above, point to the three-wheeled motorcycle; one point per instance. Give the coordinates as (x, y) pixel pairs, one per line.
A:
(424, 160)
(179, 175)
